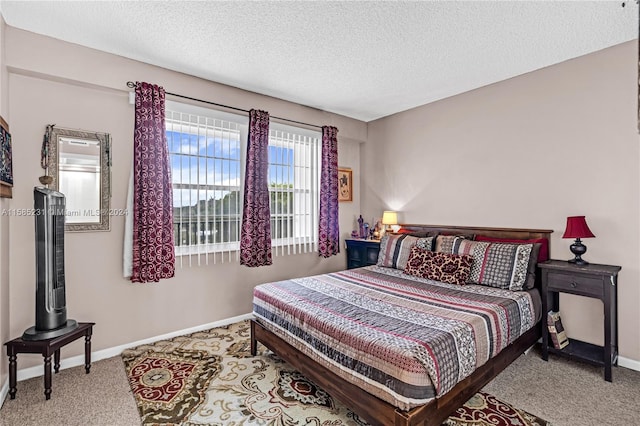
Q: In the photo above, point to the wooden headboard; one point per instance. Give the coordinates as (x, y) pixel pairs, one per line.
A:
(516, 233)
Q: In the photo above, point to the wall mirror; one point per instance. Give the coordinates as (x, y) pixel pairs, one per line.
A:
(80, 165)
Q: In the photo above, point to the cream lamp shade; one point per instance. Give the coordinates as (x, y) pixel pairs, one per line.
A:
(389, 218)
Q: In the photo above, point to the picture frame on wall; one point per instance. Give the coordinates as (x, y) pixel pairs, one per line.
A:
(345, 184)
(6, 161)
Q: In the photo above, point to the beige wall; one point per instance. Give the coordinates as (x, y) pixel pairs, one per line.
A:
(528, 152)
(52, 82)
(4, 220)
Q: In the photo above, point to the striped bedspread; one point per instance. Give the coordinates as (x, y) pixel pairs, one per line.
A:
(405, 340)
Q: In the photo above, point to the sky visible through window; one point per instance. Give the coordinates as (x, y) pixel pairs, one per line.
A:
(216, 163)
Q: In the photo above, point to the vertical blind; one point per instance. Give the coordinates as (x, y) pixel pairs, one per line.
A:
(294, 189)
(205, 162)
(207, 150)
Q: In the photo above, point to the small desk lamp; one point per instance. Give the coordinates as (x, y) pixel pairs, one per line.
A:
(577, 228)
(389, 218)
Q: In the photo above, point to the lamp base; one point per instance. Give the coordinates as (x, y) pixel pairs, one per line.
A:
(578, 249)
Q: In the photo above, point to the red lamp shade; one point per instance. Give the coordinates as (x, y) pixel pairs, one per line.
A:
(577, 228)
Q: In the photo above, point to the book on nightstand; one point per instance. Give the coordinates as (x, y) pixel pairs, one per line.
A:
(556, 330)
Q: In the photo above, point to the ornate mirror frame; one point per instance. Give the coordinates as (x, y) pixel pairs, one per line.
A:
(104, 141)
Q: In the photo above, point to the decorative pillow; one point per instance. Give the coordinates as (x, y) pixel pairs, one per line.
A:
(426, 243)
(531, 269)
(501, 265)
(395, 249)
(417, 258)
(443, 267)
(445, 243)
(543, 255)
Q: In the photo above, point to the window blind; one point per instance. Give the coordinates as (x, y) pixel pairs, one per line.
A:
(207, 153)
(205, 157)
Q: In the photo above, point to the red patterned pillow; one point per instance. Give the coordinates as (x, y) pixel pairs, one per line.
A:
(417, 258)
(443, 267)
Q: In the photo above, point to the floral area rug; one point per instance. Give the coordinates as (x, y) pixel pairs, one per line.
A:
(210, 378)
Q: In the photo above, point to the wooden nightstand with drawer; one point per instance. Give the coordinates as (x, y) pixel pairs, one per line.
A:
(362, 252)
(595, 281)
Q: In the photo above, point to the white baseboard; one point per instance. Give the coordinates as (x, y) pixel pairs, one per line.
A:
(4, 390)
(38, 370)
(631, 364)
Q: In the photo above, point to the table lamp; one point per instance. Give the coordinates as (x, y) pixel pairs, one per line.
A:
(389, 218)
(577, 228)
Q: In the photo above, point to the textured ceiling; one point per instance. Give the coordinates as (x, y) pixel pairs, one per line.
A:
(361, 59)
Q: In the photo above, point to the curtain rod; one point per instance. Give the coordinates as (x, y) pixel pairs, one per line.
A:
(132, 85)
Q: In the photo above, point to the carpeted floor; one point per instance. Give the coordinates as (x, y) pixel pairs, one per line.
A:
(564, 393)
(210, 378)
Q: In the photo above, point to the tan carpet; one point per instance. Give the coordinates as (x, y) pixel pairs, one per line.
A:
(565, 393)
(100, 398)
(210, 378)
(570, 393)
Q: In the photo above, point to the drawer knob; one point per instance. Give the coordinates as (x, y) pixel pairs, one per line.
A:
(574, 284)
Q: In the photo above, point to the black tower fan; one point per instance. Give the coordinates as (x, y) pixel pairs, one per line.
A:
(51, 309)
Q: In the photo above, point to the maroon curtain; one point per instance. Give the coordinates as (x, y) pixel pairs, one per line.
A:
(255, 235)
(329, 229)
(153, 248)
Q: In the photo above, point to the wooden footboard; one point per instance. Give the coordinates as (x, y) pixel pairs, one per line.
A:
(377, 411)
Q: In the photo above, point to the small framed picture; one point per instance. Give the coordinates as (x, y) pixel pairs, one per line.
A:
(345, 185)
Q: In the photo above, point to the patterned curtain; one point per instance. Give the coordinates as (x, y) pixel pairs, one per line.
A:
(255, 235)
(329, 229)
(153, 248)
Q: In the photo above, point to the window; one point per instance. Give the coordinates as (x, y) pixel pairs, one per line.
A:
(294, 167)
(207, 152)
(205, 155)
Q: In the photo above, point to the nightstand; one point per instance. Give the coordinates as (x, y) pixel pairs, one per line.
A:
(595, 281)
(362, 252)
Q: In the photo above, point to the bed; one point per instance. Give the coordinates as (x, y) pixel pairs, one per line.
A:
(352, 354)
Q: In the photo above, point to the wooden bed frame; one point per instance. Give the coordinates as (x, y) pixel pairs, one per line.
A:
(379, 412)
